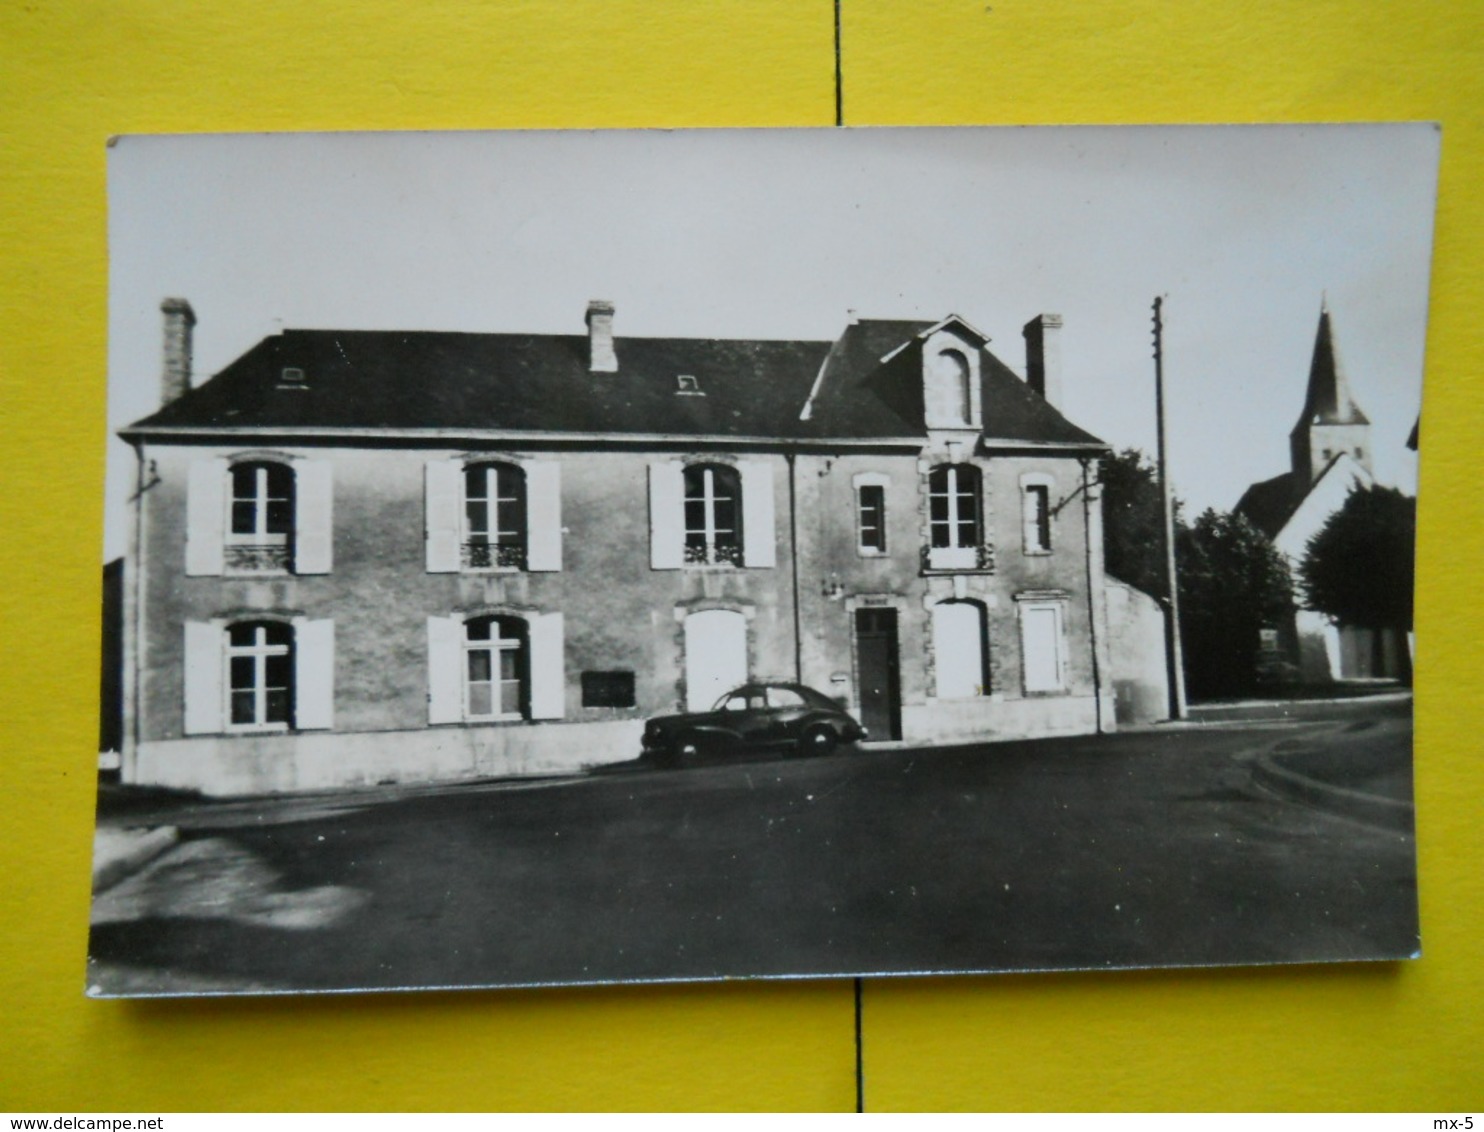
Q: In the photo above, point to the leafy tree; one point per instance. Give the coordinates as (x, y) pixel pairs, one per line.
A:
(1359, 567)
(1233, 584)
(1133, 522)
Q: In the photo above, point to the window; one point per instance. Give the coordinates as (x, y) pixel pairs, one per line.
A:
(871, 518)
(262, 518)
(260, 675)
(954, 517)
(496, 667)
(1035, 501)
(494, 517)
(785, 698)
(258, 516)
(949, 402)
(713, 515)
(959, 651)
(608, 689)
(1042, 647)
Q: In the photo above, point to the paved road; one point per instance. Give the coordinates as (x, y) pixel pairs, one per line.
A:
(1152, 848)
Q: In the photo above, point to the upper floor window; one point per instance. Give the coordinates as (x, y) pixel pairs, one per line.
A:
(259, 675)
(713, 515)
(870, 509)
(1035, 514)
(262, 517)
(494, 517)
(950, 396)
(256, 516)
(954, 517)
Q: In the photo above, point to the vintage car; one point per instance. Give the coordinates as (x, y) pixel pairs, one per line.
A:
(788, 716)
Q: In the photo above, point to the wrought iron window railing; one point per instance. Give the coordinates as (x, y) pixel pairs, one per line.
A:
(482, 555)
(259, 557)
(713, 554)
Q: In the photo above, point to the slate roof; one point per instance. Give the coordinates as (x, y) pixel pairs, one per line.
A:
(1269, 504)
(1328, 400)
(426, 380)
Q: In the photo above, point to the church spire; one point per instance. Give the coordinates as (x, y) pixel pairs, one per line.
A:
(1331, 424)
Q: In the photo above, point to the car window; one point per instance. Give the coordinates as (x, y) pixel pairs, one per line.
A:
(756, 701)
(784, 698)
(734, 703)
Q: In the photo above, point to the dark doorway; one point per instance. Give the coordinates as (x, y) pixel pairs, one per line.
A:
(876, 662)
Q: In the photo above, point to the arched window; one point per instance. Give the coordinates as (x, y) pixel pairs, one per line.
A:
(949, 396)
(260, 676)
(496, 669)
(262, 517)
(959, 650)
(713, 515)
(954, 517)
(494, 516)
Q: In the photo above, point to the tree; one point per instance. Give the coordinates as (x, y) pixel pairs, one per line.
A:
(1359, 568)
(1233, 584)
(1133, 522)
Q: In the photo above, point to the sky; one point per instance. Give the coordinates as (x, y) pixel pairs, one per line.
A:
(1244, 230)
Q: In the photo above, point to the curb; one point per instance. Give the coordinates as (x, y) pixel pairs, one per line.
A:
(113, 862)
(1369, 808)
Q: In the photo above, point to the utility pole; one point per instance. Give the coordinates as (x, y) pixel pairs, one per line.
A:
(1174, 661)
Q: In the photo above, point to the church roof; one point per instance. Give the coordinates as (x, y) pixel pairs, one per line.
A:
(1269, 504)
(1328, 400)
(869, 388)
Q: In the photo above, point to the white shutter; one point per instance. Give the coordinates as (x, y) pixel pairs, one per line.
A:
(666, 515)
(443, 501)
(1030, 535)
(205, 711)
(758, 536)
(206, 512)
(314, 674)
(548, 666)
(543, 514)
(445, 669)
(314, 527)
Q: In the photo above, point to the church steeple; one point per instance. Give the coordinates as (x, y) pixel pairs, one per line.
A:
(1331, 424)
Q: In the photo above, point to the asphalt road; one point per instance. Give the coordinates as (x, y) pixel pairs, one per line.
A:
(1141, 849)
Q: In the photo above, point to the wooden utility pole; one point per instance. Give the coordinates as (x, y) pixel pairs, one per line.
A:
(1174, 660)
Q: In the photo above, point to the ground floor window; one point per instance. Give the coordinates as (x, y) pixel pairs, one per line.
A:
(960, 650)
(260, 675)
(496, 668)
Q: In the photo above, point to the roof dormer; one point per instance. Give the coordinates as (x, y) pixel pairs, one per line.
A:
(952, 390)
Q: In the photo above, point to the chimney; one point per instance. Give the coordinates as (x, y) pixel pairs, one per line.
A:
(1043, 357)
(175, 379)
(601, 357)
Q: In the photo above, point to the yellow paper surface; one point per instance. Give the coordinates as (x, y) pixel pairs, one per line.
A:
(74, 73)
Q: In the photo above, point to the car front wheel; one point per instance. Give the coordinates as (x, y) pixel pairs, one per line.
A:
(818, 740)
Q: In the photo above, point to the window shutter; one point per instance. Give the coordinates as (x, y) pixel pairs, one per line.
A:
(314, 674)
(758, 537)
(1030, 537)
(666, 515)
(543, 514)
(314, 528)
(205, 712)
(206, 513)
(445, 669)
(444, 499)
(548, 666)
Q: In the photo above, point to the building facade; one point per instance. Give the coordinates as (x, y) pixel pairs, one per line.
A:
(366, 557)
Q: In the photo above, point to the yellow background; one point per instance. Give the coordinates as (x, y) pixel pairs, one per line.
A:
(71, 74)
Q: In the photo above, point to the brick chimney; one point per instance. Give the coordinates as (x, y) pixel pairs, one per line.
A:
(175, 379)
(1043, 357)
(601, 355)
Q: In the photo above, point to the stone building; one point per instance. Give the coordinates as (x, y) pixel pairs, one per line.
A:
(367, 557)
(1330, 456)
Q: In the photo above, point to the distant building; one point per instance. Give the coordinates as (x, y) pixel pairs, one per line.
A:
(1330, 453)
(367, 557)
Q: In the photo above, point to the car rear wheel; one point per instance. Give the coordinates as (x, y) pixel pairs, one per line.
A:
(818, 740)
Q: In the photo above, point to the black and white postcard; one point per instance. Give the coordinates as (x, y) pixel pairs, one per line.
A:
(590, 557)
